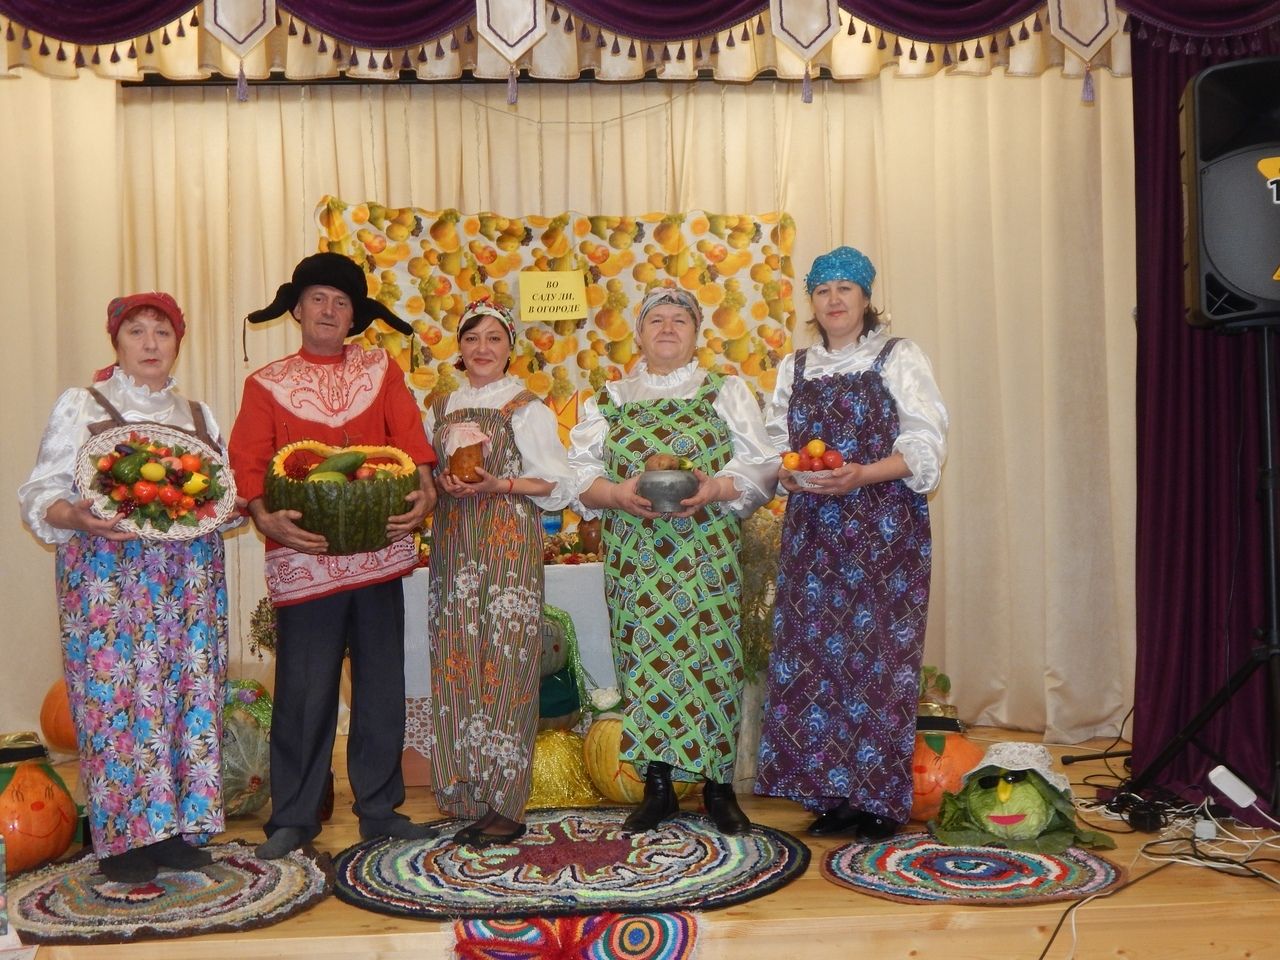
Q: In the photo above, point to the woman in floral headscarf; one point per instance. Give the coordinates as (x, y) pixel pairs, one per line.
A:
(486, 580)
(853, 582)
(144, 622)
(671, 580)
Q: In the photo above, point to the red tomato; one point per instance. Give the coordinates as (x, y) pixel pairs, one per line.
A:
(187, 503)
(170, 495)
(144, 491)
(191, 463)
(832, 459)
(806, 463)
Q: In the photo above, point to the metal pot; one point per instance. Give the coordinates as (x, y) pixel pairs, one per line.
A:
(666, 488)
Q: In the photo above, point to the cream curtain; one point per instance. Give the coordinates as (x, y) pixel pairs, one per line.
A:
(998, 210)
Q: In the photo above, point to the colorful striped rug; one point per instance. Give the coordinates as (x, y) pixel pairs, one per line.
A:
(571, 861)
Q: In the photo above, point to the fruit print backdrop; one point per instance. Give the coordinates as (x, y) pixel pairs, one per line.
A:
(426, 265)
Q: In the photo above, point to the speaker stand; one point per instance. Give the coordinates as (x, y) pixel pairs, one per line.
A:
(1267, 653)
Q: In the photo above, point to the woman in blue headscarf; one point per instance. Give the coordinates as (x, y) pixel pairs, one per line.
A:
(853, 582)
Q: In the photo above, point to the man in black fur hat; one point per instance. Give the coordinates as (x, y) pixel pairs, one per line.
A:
(326, 606)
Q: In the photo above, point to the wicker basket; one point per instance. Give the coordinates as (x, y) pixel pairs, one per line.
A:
(102, 444)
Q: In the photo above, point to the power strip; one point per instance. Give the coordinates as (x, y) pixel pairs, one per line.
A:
(1232, 787)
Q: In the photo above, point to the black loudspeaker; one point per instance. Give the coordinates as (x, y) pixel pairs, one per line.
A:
(1231, 194)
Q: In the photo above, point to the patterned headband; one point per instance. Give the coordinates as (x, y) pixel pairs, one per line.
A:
(669, 296)
(842, 263)
(487, 308)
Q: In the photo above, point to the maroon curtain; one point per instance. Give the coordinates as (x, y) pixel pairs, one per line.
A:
(399, 23)
(1205, 18)
(1200, 554)
(942, 21)
(95, 21)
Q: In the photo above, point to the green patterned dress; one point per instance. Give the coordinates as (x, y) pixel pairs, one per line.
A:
(672, 586)
(486, 632)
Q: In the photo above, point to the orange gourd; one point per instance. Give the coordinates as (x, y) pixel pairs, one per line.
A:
(938, 765)
(37, 814)
(55, 719)
(616, 780)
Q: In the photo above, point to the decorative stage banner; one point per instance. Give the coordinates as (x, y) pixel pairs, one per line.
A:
(427, 264)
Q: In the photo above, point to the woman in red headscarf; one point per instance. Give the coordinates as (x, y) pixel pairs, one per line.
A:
(144, 622)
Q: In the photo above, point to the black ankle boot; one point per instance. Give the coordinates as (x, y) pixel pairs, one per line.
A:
(659, 799)
(722, 808)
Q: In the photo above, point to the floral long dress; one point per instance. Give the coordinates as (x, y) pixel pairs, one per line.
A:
(486, 634)
(144, 628)
(849, 620)
(672, 586)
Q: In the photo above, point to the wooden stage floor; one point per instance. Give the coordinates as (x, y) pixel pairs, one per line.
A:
(1180, 913)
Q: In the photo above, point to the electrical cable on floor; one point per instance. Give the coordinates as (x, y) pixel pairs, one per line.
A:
(1070, 911)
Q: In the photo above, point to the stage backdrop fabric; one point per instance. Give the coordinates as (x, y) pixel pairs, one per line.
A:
(999, 214)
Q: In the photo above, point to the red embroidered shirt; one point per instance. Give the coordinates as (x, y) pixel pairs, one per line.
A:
(358, 397)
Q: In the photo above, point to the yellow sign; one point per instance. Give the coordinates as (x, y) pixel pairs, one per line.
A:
(546, 297)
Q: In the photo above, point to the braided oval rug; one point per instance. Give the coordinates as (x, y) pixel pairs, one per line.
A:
(916, 868)
(571, 861)
(71, 903)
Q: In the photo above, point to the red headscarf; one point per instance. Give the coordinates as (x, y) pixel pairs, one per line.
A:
(121, 307)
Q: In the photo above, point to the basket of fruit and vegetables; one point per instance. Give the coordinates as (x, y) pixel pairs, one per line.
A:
(811, 461)
(344, 494)
(163, 483)
(667, 479)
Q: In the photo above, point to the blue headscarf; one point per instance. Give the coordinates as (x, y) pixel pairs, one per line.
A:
(842, 263)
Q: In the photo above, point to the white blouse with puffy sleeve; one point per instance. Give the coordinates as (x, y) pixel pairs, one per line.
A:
(753, 466)
(53, 477)
(922, 416)
(536, 434)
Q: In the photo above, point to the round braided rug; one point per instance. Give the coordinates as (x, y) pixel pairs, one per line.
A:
(571, 861)
(72, 903)
(916, 868)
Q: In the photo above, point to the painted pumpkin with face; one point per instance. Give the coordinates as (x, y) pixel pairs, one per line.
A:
(37, 814)
(938, 766)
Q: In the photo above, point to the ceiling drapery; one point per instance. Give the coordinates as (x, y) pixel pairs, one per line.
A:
(728, 40)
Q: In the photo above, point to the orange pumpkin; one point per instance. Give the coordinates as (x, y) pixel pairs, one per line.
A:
(37, 814)
(617, 780)
(55, 719)
(940, 761)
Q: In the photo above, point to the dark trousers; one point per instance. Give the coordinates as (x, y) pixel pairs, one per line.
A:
(367, 622)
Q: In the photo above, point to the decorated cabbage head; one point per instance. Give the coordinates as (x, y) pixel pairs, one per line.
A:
(1013, 798)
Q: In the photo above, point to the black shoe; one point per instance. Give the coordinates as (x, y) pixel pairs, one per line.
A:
(177, 854)
(722, 808)
(467, 833)
(132, 866)
(872, 828)
(281, 843)
(398, 828)
(479, 839)
(659, 800)
(840, 819)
